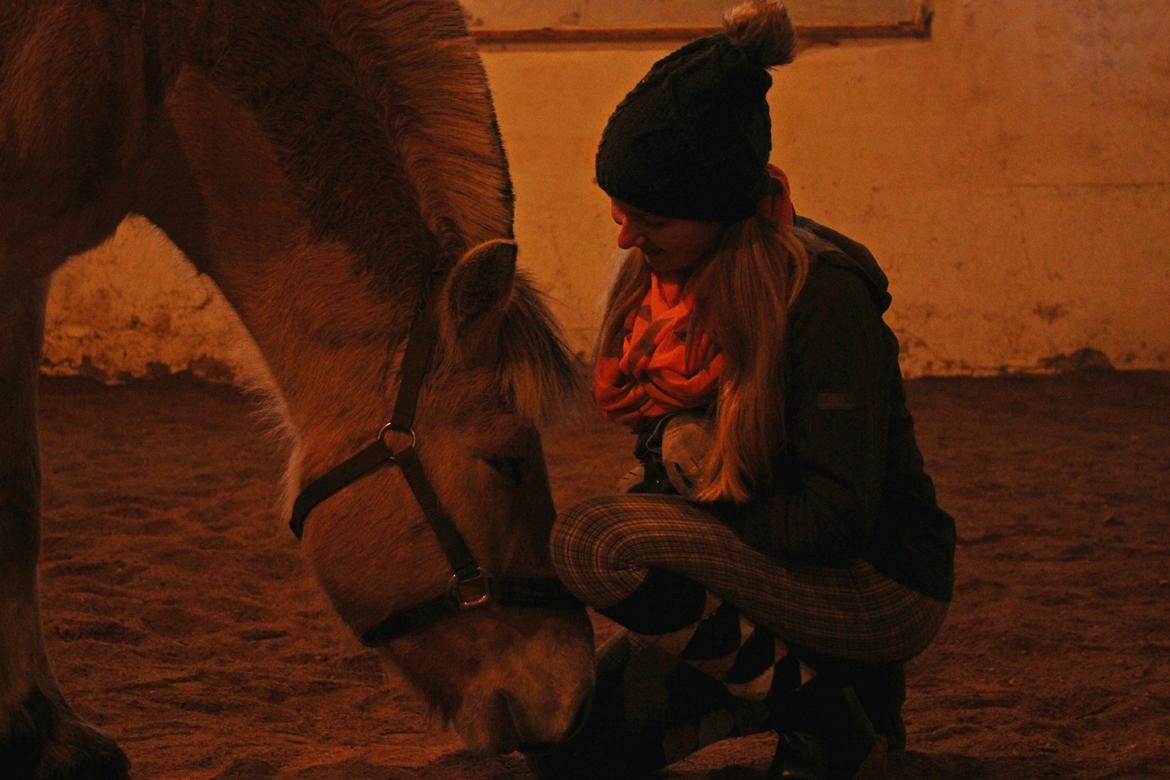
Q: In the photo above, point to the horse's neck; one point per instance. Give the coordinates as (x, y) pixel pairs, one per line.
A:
(317, 199)
(219, 192)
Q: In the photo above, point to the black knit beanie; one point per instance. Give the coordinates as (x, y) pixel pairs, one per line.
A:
(692, 139)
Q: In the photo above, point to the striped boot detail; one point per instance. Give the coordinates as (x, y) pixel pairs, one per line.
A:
(678, 616)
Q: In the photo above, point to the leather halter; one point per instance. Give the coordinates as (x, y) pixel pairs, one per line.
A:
(470, 586)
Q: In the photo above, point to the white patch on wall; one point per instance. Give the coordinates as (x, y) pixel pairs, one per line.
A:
(135, 307)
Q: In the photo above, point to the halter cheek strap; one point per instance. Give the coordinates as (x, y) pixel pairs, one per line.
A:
(415, 364)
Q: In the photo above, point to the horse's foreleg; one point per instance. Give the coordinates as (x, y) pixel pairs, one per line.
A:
(40, 736)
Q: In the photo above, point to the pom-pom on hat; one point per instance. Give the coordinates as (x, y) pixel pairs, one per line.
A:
(692, 139)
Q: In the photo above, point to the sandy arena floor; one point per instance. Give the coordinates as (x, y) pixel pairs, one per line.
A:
(182, 621)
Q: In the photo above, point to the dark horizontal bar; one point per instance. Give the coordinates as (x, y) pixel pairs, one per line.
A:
(813, 33)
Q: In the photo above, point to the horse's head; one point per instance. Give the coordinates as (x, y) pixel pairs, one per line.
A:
(504, 676)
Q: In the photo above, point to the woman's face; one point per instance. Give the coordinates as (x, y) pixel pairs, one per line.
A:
(669, 244)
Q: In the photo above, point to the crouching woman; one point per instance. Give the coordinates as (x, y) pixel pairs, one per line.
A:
(806, 558)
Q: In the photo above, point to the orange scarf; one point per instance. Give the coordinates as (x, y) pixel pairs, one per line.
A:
(652, 376)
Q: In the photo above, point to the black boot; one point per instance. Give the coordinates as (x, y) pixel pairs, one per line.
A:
(881, 689)
(824, 734)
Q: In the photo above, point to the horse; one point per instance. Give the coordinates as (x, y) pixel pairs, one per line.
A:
(336, 168)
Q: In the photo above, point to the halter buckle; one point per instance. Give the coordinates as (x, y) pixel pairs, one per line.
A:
(475, 591)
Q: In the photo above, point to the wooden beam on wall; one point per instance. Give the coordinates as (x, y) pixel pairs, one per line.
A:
(825, 33)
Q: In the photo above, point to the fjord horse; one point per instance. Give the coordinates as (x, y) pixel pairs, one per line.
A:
(336, 168)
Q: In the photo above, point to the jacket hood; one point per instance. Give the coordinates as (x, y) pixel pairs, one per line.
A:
(851, 256)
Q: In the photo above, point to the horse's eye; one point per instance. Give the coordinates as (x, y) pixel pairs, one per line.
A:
(511, 469)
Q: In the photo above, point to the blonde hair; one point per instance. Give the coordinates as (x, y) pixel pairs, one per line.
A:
(743, 294)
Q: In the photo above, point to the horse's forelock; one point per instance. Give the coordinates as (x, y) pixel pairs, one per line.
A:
(537, 370)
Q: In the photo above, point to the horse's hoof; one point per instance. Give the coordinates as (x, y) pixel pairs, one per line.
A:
(47, 741)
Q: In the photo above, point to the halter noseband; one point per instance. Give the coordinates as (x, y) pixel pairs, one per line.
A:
(470, 586)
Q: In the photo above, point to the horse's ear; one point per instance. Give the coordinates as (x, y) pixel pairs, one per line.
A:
(478, 289)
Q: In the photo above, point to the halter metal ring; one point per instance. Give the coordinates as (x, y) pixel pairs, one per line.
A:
(482, 594)
(388, 427)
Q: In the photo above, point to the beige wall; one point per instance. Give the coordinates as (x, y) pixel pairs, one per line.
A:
(1012, 174)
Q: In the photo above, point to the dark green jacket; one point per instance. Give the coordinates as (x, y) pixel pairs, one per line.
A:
(851, 484)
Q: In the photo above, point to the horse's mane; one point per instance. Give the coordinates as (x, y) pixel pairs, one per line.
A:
(381, 116)
(435, 107)
(421, 70)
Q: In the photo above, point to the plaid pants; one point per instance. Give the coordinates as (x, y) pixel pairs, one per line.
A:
(603, 548)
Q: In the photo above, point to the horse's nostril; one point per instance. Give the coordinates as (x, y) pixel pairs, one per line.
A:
(504, 712)
(580, 719)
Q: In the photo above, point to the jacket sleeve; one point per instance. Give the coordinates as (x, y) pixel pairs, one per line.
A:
(827, 488)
